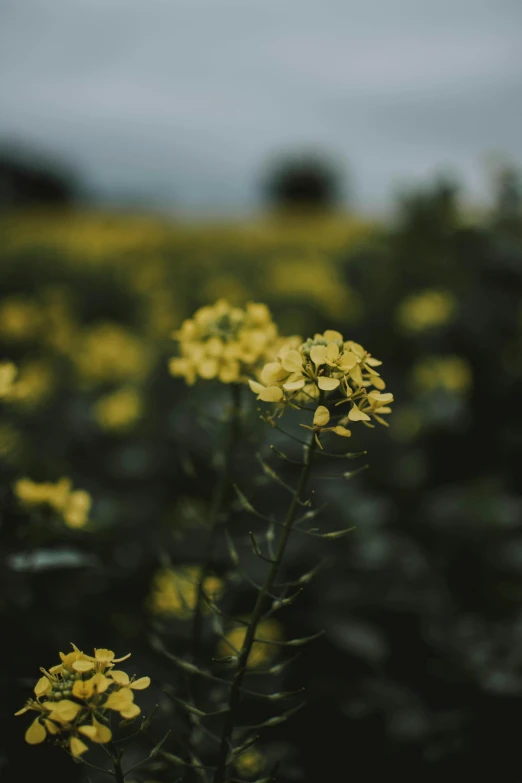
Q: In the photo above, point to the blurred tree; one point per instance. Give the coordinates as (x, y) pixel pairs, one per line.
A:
(28, 181)
(305, 181)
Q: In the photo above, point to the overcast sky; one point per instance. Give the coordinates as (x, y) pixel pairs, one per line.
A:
(184, 101)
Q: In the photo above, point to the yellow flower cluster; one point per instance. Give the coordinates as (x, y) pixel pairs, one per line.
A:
(452, 373)
(34, 384)
(75, 698)
(72, 505)
(174, 591)
(120, 410)
(262, 653)
(326, 363)
(426, 310)
(224, 342)
(7, 377)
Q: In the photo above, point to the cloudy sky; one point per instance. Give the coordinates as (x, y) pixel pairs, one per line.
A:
(183, 102)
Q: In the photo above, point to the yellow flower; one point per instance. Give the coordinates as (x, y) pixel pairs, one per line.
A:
(250, 763)
(97, 732)
(174, 591)
(451, 373)
(262, 653)
(320, 366)
(119, 411)
(77, 746)
(8, 374)
(224, 342)
(70, 703)
(73, 506)
(426, 310)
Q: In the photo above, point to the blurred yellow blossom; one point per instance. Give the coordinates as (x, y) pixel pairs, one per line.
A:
(174, 590)
(20, 319)
(109, 352)
(452, 373)
(72, 700)
(224, 342)
(8, 374)
(323, 364)
(250, 763)
(315, 279)
(34, 384)
(426, 310)
(72, 505)
(262, 653)
(120, 410)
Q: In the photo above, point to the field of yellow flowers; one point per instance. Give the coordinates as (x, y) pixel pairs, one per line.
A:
(113, 440)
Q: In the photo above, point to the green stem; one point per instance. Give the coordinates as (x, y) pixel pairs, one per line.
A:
(242, 662)
(118, 771)
(215, 511)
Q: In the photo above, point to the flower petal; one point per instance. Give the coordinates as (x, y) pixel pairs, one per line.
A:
(141, 684)
(130, 712)
(357, 415)
(77, 747)
(327, 384)
(330, 335)
(332, 353)
(272, 372)
(83, 666)
(122, 678)
(36, 733)
(292, 361)
(321, 416)
(347, 361)
(318, 354)
(340, 430)
(295, 384)
(256, 387)
(42, 686)
(272, 394)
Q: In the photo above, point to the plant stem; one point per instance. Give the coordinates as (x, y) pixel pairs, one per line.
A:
(118, 771)
(235, 690)
(215, 511)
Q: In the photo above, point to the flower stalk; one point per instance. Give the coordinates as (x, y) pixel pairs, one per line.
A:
(266, 589)
(231, 438)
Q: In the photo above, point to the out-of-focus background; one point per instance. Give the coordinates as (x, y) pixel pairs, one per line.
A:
(356, 167)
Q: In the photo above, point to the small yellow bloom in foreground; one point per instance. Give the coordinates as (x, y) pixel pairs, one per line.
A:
(75, 696)
(322, 365)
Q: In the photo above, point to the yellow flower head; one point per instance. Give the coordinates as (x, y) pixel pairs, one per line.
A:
(262, 652)
(72, 506)
(327, 363)
(74, 699)
(174, 591)
(426, 310)
(8, 373)
(224, 342)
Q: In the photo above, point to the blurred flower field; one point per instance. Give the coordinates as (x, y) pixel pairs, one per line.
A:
(108, 465)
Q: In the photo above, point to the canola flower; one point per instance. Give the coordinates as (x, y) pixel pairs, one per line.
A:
(174, 591)
(120, 410)
(8, 374)
(426, 310)
(224, 342)
(451, 373)
(320, 366)
(72, 505)
(74, 700)
(262, 653)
